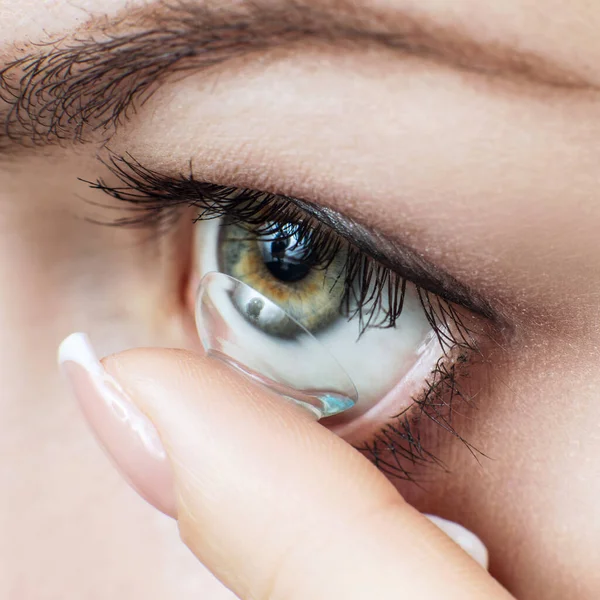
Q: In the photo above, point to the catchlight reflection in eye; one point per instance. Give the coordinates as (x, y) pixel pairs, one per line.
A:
(279, 269)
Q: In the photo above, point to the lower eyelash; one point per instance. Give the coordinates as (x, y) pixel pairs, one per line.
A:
(398, 449)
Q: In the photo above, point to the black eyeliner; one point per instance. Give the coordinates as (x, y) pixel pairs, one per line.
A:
(400, 258)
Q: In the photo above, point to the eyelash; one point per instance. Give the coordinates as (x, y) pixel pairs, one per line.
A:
(156, 201)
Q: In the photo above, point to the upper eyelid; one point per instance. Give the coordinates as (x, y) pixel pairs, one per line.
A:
(140, 188)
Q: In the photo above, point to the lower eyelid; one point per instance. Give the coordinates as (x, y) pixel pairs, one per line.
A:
(406, 444)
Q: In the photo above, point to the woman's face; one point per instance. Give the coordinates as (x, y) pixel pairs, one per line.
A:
(462, 137)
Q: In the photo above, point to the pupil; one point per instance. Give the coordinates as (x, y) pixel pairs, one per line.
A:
(286, 257)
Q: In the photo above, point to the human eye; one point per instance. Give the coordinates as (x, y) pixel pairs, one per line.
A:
(405, 334)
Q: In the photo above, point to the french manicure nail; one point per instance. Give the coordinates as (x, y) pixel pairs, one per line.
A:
(467, 540)
(126, 434)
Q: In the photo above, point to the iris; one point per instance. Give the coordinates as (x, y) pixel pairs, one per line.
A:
(281, 266)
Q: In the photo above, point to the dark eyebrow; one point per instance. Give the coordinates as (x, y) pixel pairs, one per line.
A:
(80, 88)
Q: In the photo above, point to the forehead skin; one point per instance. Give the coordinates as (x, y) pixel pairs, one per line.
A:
(536, 501)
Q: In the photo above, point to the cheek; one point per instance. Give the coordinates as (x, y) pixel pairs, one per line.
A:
(532, 495)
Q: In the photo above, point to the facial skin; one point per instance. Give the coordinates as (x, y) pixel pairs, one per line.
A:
(487, 174)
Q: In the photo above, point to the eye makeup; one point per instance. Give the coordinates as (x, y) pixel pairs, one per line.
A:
(378, 283)
(156, 199)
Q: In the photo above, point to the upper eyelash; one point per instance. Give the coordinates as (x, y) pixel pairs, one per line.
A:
(377, 300)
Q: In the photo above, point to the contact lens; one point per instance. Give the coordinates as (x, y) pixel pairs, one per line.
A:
(243, 327)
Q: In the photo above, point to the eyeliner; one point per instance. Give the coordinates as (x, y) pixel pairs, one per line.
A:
(403, 260)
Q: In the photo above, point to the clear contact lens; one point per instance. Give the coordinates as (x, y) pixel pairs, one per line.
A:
(243, 327)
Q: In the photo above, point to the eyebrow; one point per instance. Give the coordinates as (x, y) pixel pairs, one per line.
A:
(76, 89)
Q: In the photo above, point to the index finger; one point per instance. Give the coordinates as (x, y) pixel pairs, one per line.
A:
(272, 503)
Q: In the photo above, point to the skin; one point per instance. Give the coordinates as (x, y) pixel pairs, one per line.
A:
(494, 180)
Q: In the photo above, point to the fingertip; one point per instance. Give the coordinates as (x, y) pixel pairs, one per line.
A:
(127, 436)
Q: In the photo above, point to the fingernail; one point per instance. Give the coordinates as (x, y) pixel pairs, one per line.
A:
(467, 540)
(126, 434)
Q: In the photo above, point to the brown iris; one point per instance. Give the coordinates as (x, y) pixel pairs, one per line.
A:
(280, 267)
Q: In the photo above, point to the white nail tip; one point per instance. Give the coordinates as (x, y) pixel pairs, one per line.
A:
(467, 540)
(77, 348)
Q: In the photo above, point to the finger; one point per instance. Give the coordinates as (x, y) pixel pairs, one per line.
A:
(274, 504)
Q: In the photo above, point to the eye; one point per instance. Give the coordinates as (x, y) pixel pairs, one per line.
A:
(412, 338)
(310, 276)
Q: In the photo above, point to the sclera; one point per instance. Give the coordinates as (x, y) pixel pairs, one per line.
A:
(244, 328)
